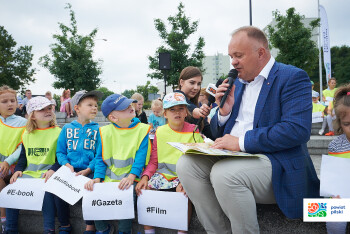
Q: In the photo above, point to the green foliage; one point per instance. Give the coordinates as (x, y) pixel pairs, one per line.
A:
(71, 58)
(340, 63)
(128, 92)
(293, 40)
(144, 90)
(58, 101)
(175, 42)
(106, 92)
(15, 64)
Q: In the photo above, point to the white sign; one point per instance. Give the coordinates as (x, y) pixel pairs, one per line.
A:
(163, 209)
(108, 202)
(66, 185)
(335, 176)
(324, 210)
(317, 117)
(24, 194)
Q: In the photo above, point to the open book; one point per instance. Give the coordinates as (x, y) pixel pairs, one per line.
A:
(204, 149)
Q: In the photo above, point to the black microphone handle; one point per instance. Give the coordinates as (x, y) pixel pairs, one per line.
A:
(200, 119)
(223, 100)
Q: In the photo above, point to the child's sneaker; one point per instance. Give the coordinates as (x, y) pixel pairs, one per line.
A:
(331, 133)
(2, 228)
(110, 230)
(65, 230)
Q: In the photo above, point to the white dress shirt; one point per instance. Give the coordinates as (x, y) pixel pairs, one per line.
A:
(245, 117)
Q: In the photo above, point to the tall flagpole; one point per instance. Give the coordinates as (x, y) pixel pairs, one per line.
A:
(319, 54)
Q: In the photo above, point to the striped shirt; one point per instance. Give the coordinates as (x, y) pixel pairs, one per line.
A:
(339, 144)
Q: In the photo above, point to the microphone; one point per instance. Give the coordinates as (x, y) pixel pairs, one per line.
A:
(211, 89)
(232, 75)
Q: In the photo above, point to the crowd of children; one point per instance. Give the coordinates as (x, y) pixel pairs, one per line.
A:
(119, 152)
(92, 151)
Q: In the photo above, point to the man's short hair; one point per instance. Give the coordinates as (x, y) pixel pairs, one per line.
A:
(255, 33)
(28, 90)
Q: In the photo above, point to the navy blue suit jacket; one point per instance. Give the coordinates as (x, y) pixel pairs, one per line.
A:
(281, 129)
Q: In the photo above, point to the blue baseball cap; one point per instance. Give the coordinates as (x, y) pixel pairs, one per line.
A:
(115, 102)
(174, 99)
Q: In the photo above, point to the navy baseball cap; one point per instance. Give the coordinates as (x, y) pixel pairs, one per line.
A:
(115, 102)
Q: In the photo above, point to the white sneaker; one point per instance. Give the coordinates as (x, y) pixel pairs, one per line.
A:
(321, 132)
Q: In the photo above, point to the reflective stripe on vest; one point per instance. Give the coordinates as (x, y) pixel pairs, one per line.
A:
(119, 147)
(10, 139)
(168, 155)
(340, 154)
(40, 148)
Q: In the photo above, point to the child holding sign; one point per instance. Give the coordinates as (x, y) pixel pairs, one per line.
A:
(122, 157)
(160, 173)
(78, 140)
(38, 159)
(340, 146)
(11, 129)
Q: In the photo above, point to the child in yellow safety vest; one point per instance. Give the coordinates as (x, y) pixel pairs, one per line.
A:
(160, 173)
(11, 129)
(39, 139)
(123, 153)
(340, 146)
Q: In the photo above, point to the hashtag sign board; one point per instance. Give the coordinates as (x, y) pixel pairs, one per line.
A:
(24, 194)
(108, 202)
(163, 209)
(66, 185)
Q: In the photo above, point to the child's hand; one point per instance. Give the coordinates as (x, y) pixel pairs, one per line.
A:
(143, 184)
(90, 184)
(180, 189)
(85, 172)
(48, 174)
(4, 168)
(15, 176)
(126, 182)
(70, 167)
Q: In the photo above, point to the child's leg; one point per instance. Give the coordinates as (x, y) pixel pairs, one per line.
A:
(101, 225)
(49, 212)
(12, 220)
(329, 122)
(324, 124)
(63, 212)
(336, 227)
(189, 209)
(125, 225)
(2, 210)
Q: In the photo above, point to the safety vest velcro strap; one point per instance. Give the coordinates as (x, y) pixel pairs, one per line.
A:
(168, 166)
(2, 158)
(119, 163)
(40, 167)
(113, 176)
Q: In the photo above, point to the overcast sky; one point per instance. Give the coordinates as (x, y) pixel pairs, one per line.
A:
(129, 29)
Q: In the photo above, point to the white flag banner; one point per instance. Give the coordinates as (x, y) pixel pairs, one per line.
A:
(334, 176)
(66, 185)
(24, 194)
(108, 202)
(326, 42)
(317, 117)
(163, 209)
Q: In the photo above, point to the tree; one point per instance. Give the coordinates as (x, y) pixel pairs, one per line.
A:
(15, 64)
(340, 64)
(128, 92)
(175, 42)
(144, 90)
(71, 58)
(106, 92)
(293, 40)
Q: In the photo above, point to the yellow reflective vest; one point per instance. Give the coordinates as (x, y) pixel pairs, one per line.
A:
(168, 155)
(119, 147)
(329, 93)
(40, 148)
(10, 139)
(316, 107)
(340, 154)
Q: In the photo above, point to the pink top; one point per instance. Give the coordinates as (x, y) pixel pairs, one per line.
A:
(153, 161)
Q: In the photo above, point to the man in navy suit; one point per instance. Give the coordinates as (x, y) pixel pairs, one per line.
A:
(268, 111)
